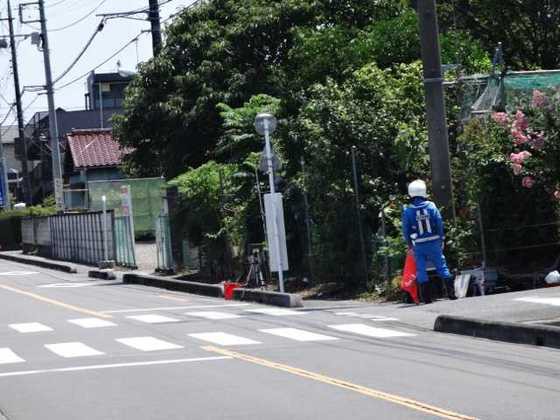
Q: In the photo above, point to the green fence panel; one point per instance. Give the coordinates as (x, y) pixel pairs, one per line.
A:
(146, 200)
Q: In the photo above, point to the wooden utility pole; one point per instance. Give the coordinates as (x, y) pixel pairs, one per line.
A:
(435, 106)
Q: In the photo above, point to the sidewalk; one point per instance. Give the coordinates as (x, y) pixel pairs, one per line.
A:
(527, 317)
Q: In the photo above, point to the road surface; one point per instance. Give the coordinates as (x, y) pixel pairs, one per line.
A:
(75, 348)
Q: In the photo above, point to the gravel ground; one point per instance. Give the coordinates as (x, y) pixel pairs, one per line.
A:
(146, 256)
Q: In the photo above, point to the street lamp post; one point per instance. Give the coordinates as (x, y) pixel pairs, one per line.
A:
(265, 124)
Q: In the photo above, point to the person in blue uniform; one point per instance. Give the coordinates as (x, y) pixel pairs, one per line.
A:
(424, 233)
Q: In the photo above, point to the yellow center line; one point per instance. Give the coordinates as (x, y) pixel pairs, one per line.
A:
(396, 399)
(56, 302)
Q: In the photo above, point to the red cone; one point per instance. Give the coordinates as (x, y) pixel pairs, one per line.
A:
(408, 282)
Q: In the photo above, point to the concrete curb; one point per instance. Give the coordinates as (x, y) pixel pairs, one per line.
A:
(211, 290)
(287, 300)
(102, 274)
(511, 332)
(40, 263)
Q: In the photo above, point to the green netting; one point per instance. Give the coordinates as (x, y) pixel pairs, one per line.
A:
(146, 200)
(482, 94)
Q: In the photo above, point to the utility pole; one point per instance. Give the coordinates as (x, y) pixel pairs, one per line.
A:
(5, 185)
(156, 26)
(53, 126)
(21, 132)
(435, 106)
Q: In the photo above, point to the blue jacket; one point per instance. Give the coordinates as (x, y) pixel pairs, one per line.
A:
(422, 222)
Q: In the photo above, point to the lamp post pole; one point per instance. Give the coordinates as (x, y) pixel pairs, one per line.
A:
(265, 124)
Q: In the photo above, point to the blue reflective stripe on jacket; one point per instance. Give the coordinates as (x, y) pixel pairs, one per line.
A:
(422, 221)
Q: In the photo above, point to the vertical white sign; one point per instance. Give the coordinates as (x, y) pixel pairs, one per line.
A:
(273, 205)
(127, 207)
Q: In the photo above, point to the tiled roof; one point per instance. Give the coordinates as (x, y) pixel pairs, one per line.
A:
(94, 148)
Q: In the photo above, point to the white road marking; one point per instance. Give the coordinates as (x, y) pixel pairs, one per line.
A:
(8, 356)
(213, 315)
(74, 349)
(67, 285)
(554, 301)
(92, 322)
(148, 343)
(367, 316)
(113, 366)
(368, 331)
(30, 327)
(298, 335)
(224, 339)
(152, 318)
(275, 311)
(173, 308)
(18, 273)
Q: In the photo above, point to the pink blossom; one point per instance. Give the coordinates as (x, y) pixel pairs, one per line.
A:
(528, 182)
(557, 194)
(519, 158)
(519, 136)
(521, 122)
(517, 168)
(525, 154)
(501, 118)
(539, 99)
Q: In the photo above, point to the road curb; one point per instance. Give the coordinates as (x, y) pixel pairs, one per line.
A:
(40, 263)
(102, 274)
(287, 300)
(511, 332)
(204, 289)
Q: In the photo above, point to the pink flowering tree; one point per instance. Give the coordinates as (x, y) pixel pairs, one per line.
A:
(531, 140)
(509, 166)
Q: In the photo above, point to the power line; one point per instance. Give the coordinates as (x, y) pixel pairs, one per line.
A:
(77, 79)
(88, 44)
(80, 19)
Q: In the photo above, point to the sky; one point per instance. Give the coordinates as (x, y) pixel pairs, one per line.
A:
(70, 24)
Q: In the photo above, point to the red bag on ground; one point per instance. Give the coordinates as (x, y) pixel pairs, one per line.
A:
(408, 282)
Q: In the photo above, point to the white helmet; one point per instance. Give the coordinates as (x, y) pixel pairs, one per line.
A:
(417, 189)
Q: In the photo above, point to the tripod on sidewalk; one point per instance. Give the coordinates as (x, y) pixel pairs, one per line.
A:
(255, 277)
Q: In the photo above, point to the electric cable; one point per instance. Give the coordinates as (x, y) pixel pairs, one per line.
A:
(88, 44)
(77, 79)
(80, 19)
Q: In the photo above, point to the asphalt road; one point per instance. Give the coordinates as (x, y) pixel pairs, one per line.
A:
(75, 348)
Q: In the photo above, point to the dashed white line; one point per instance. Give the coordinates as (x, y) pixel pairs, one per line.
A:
(275, 311)
(173, 308)
(553, 301)
(8, 356)
(30, 327)
(224, 339)
(148, 343)
(368, 331)
(213, 315)
(152, 318)
(92, 323)
(73, 349)
(298, 335)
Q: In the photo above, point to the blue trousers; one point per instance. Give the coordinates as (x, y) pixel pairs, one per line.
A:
(432, 252)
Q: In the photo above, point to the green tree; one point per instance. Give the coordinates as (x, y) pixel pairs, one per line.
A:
(529, 29)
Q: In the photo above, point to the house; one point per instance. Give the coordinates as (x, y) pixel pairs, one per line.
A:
(13, 164)
(93, 155)
(102, 101)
